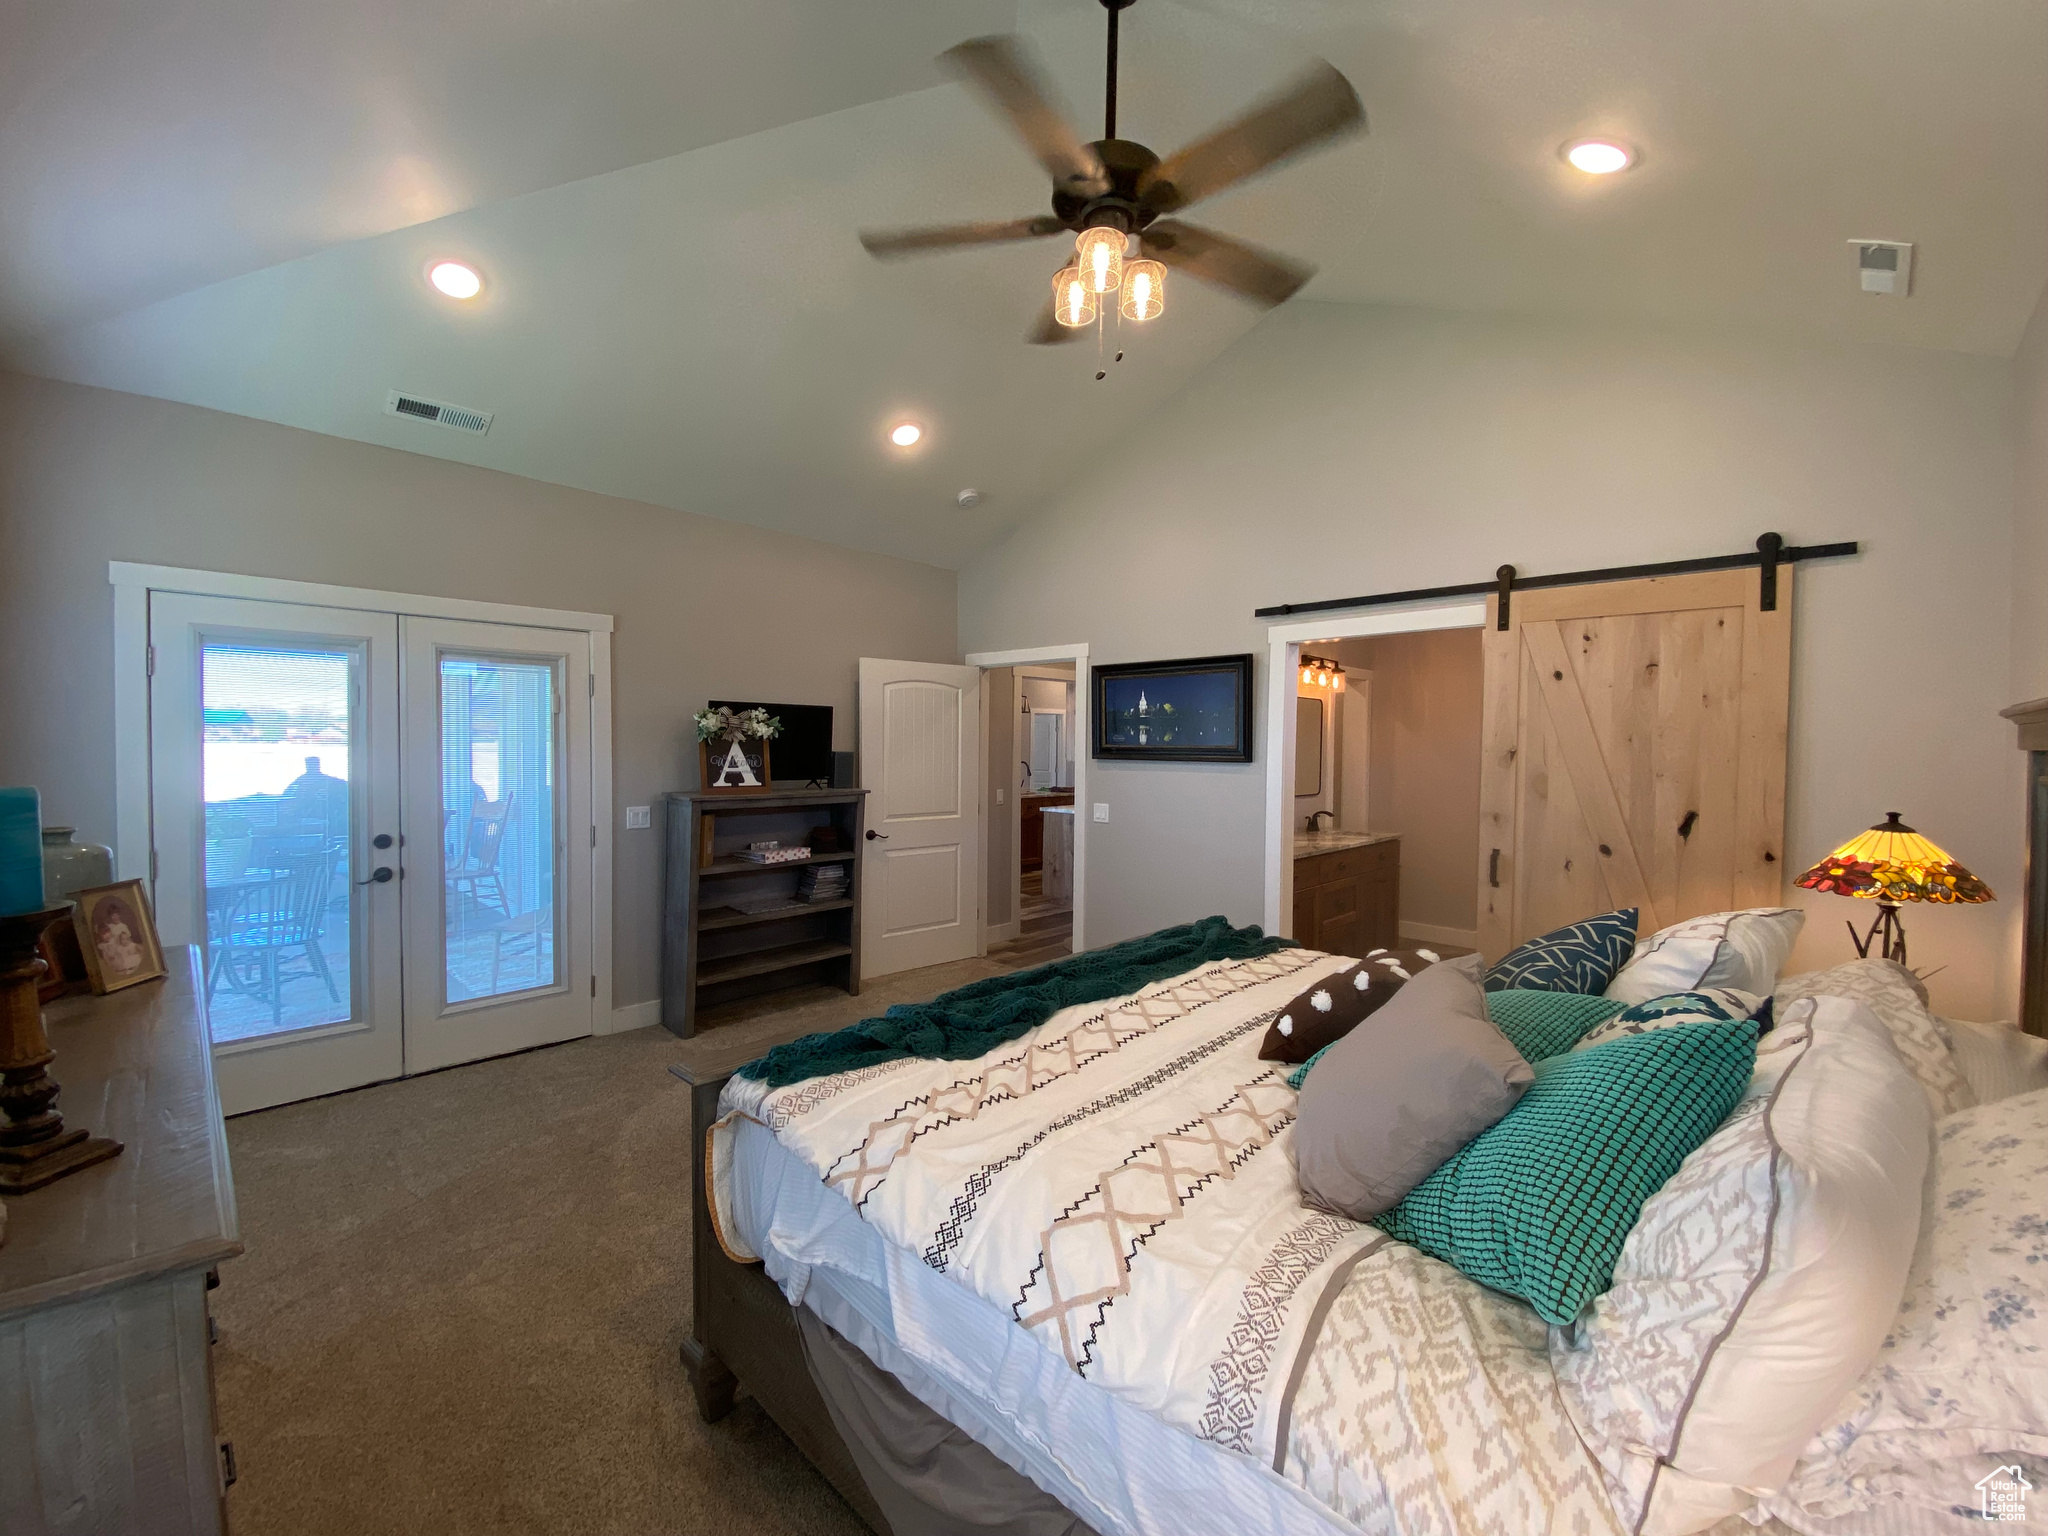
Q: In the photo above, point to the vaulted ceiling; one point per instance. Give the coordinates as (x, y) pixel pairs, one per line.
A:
(231, 202)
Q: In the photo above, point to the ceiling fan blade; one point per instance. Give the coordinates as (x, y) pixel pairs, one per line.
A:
(1002, 70)
(1318, 107)
(886, 243)
(1264, 277)
(1046, 331)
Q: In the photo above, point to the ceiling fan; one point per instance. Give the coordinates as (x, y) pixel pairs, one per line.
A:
(1108, 191)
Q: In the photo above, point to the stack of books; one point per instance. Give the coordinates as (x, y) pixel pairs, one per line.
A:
(771, 854)
(822, 882)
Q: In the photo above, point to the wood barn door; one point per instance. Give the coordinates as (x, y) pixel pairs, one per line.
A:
(1633, 752)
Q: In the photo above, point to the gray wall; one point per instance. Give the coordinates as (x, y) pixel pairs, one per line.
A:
(704, 608)
(1426, 704)
(2030, 513)
(1343, 449)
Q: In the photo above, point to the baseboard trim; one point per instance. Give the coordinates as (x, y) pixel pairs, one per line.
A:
(633, 1016)
(1001, 933)
(1430, 933)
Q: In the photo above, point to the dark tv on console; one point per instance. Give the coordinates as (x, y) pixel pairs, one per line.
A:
(804, 749)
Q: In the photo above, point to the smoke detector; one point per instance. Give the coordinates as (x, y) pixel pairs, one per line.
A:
(1885, 266)
(458, 417)
(969, 498)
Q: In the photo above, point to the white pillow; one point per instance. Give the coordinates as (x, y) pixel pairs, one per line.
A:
(1996, 1060)
(1758, 1283)
(1899, 1000)
(1961, 1381)
(1727, 949)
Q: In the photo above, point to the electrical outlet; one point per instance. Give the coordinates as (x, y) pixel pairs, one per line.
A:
(638, 818)
(1102, 810)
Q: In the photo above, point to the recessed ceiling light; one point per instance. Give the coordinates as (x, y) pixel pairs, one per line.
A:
(455, 279)
(905, 433)
(1599, 157)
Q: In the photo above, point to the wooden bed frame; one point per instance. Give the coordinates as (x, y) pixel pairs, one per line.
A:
(743, 1330)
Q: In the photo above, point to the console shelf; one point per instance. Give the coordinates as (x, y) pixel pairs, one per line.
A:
(714, 953)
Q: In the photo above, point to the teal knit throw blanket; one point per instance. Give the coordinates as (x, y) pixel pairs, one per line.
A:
(976, 1018)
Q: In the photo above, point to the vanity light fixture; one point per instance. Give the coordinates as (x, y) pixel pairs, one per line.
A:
(456, 279)
(905, 434)
(1599, 157)
(1321, 672)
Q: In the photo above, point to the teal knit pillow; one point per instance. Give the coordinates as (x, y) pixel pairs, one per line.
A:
(1539, 1204)
(1544, 1024)
(1294, 1078)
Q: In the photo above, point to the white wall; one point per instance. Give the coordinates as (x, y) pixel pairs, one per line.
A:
(705, 609)
(1346, 449)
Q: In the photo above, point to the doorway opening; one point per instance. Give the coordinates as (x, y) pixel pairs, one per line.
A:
(1374, 723)
(1034, 711)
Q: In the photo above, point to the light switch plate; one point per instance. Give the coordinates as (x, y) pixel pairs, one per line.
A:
(999, 794)
(638, 817)
(1102, 810)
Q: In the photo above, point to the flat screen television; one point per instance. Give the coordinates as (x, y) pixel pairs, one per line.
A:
(804, 749)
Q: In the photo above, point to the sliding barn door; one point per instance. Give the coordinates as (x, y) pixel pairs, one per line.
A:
(1634, 752)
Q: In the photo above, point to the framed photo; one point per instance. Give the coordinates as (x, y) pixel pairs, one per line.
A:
(117, 936)
(1193, 711)
(735, 767)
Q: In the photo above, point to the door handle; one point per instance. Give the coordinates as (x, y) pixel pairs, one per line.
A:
(381, 875)
(1493, 869)
(882, 837)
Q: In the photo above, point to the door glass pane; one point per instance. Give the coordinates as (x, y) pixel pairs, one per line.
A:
(276, 729)
(497, 825)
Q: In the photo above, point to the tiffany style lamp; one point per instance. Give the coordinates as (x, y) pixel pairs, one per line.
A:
(1889, 864)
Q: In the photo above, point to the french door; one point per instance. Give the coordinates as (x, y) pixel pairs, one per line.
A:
(377, 829)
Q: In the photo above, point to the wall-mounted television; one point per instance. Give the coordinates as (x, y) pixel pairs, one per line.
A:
(804, 749)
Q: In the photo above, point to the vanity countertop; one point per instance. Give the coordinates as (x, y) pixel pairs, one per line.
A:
(1058, 810)
(1308, 845)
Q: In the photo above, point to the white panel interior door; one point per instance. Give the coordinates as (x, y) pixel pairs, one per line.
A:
(920, 757)
(500, 844)
(273, 775)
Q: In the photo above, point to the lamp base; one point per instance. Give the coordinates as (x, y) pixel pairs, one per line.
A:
(36, 1148)
(1887, 931)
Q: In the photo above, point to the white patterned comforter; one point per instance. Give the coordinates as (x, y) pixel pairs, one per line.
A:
(1121, 1181)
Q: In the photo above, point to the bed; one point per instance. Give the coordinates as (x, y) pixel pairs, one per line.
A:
(1070, 1284)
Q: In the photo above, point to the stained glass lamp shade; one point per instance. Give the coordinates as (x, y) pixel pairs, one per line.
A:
(1889, 864)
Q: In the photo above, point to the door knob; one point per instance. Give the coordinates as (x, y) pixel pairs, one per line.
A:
(381, 840)
(878, 837)
(381, 875)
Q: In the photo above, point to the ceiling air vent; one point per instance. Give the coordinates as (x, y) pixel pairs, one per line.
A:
(1884, 266)
(439, 412)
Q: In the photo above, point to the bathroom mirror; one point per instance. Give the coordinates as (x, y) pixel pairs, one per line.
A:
(1308, 746)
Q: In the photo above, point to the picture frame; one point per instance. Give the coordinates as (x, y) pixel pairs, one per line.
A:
(715, 760)
(1194, 710)
(117, 936)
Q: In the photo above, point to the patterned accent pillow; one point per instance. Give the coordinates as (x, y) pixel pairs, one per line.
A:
(1539, 1204)
(1709, 1005)
(1959, 1381)
(1898, 999)
(1725, 949)
(1329, 1010)
(1547, 1023)
(1759, 1281)
(1580, 958)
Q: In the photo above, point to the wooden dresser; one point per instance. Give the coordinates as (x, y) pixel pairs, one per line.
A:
(106, 1377)
(1347, 892)
(1031, 824)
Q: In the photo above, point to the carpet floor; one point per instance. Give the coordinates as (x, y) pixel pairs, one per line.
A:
(463, 1295)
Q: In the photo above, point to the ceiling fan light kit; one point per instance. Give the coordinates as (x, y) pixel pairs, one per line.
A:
(1115, 192)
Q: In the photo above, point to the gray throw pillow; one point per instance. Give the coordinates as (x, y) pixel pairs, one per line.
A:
(1404, 1090)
